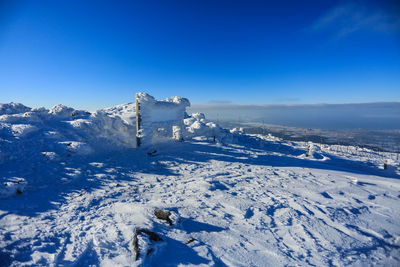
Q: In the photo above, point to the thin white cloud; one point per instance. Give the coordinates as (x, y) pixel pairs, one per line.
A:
(353, 17)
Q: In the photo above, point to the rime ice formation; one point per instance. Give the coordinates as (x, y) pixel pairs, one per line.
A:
(167, 115)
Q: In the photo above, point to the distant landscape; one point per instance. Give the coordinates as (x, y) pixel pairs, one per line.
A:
(367, 116)
(378, 140)
(373, 125)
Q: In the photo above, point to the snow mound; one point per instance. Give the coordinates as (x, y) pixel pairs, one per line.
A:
(198, 126)
(25, 131)
(12, 108)
(20, 130)
(127, 112)
(12, 186)
(76, 147)
(61, 111)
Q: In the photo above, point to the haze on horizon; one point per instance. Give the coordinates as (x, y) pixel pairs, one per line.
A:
(368, 116)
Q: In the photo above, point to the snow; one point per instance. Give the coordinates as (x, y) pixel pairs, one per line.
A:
(12, 108)
(127, 112)
(238, 130)
(13, 186)
(74, 188)
(19, 130)
(168, 115)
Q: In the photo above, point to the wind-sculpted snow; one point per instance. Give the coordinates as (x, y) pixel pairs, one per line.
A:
(127, 112)
(26, 132)
(239, 201)
(12, 108)
(61, 130)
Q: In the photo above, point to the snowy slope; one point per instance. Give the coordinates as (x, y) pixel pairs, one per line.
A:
(252, 201)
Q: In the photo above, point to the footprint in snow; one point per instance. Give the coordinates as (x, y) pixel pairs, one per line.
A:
(217, 185)
(249, 213)
(326, 195)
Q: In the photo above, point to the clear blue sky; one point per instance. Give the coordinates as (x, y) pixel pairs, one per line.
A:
(90, 54)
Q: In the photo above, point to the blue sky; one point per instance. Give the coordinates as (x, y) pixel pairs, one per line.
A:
(92, 54)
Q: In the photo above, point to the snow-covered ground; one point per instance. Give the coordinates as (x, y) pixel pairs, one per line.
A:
(73, 191)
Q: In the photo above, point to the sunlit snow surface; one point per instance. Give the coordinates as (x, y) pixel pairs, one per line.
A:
(254, 201)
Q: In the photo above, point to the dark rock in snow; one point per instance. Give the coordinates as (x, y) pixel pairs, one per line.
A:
(135, 245)
(150, 251)
(163, 215)
(152, 153)
(15, 185)
(152, 236)
(190, 240)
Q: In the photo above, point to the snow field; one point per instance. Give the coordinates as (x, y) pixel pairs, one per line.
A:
(243, 201)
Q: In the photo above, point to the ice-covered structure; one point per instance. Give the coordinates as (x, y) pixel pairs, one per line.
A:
(162, 118)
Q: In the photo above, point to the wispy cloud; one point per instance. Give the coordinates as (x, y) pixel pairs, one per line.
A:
(353, 17)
